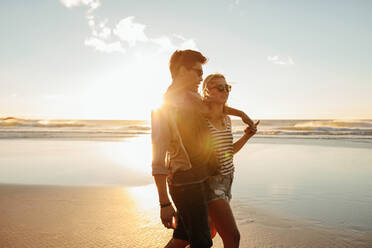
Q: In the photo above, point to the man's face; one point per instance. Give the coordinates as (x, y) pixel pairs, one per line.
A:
(193, 76)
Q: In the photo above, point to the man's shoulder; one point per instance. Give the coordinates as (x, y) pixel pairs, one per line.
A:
(182, 98)
(174, 99)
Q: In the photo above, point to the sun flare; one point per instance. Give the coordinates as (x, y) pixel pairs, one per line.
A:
(133, 153)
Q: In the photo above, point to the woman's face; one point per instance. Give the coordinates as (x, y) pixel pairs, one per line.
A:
(218, 90)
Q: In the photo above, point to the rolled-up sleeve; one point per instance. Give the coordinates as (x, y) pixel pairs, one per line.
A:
(160, 138)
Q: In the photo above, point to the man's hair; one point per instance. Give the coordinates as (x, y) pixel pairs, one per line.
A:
(186, 58)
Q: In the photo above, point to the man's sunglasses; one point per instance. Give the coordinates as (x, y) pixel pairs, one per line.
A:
(222, 87)
(199, 72)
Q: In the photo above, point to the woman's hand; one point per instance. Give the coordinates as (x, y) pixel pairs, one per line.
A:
(250, 131)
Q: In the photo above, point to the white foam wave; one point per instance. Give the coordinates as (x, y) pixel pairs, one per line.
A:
(335, 124)
(18, 122)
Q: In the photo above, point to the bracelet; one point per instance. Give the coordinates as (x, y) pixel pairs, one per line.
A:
(165, 205)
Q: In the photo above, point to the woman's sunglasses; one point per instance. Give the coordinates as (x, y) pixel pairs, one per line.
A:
(222, 87)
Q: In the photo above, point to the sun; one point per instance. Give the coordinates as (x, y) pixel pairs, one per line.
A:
(128, 91)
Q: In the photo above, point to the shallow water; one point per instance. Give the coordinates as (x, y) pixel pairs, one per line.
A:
(323, 182)
(326, 182)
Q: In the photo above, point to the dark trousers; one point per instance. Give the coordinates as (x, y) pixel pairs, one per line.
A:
(192, 214)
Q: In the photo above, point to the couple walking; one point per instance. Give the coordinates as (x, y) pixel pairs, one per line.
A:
(193, 152)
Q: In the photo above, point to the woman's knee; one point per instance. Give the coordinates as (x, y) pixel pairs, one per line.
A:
(232, 237)
(236, 236)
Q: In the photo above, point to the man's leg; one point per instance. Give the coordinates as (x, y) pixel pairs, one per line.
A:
(192, 209)
(180, 237)
(176, 243)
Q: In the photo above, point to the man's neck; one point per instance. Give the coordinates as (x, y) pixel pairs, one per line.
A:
(182, 86)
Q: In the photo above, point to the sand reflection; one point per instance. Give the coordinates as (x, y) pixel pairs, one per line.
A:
(146, 201)
(145, 197)
(133, 153)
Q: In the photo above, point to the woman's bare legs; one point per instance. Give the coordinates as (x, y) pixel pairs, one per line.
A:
(212, 228)
(224, 221)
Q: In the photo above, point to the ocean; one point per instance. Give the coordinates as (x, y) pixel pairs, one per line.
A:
(312, 171)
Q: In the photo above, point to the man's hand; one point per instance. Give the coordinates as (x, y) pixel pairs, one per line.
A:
(166, 216)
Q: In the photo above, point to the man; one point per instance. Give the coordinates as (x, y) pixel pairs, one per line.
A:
(182, 155)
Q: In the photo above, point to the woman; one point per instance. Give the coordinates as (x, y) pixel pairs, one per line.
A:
(215, 93)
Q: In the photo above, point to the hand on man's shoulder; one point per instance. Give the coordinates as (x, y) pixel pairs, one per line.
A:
(193, 98)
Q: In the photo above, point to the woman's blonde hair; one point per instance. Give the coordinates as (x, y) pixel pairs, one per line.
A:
(210, 78)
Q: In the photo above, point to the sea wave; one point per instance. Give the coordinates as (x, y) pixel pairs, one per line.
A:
(12, 127)
(329, 130)
(68, 134)
(139, 128)
(18, 122)
(334, 124)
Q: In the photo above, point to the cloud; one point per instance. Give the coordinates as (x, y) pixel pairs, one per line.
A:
(100, 30)
(131, 32)
(174, 42)
(186, 43)
(125, 32)
(164, 43)
(280, 60)
(103, 46)
(92, 4)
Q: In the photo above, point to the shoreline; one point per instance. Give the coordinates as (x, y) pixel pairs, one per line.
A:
(359, 142)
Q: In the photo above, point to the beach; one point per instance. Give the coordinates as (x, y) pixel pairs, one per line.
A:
(55, 216)
(75, 190)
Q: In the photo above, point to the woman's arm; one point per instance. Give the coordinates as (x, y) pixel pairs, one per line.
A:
(197, 102)
(247, 135)
(241, 142)
(235, 112)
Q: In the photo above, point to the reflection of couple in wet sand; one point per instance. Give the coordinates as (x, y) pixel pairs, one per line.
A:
(193, 152)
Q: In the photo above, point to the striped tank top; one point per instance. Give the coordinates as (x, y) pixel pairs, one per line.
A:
(222, 141)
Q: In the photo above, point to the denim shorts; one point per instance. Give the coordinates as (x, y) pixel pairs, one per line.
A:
(220, 187)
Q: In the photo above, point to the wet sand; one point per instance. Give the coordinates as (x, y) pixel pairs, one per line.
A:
(72, 216)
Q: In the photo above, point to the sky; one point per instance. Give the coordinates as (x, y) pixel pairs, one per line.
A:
(108, 59)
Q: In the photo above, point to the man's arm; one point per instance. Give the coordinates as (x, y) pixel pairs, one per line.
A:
(161, 185)
(166, 211)
(160, 137)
